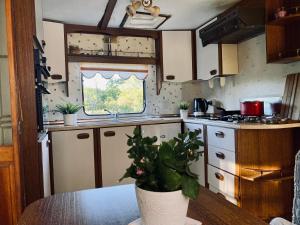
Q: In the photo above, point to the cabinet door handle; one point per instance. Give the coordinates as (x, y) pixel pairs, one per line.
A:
(220, 134)
(170, 77)
(163, 136)
(221, 195)
(213, 72)
(83, 136)
(109, 134)
(220, 155)
(219, 176)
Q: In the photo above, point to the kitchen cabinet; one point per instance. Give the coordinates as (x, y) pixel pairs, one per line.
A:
(114, 157)
(177, 56)
(199, 166)
(55, 49)
(249, 168)
(73, 160)
(163, 132)
(39, 29)
(44, 148)
(216, 59)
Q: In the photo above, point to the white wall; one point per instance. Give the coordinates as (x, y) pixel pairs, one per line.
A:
(256, 78)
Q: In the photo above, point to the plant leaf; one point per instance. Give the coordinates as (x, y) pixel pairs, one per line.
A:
(190, 187)
(171, 180)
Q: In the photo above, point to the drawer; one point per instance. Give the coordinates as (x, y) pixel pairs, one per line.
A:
(228, 198)
(193, 127)
(221, 137)
(222, 159)
(221, 180)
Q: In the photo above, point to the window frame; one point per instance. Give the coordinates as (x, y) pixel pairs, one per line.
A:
(121, 114)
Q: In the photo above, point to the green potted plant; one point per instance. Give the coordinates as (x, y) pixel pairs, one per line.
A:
(184, 107)
(69, 112)
(164, 181)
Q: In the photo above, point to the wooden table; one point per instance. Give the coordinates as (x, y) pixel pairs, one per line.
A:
(118, 206)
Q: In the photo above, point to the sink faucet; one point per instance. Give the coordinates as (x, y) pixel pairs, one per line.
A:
(114, 115)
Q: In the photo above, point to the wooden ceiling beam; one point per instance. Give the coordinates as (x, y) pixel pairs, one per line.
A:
(103, 24)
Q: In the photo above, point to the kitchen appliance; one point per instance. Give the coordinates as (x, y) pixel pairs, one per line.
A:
(41, 70)
(252, 108)
(235, 25)
(200, 106)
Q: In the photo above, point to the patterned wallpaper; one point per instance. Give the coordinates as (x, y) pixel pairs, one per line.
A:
(256, 78)
(165, 103)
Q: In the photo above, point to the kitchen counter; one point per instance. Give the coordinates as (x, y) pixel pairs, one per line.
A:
(246, 126)
(122, 122)
(155, 120)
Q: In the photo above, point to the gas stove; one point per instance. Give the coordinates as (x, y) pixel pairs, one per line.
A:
(237, 118)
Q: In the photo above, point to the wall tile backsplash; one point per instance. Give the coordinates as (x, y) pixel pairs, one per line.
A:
(256, 78)
(165, 103)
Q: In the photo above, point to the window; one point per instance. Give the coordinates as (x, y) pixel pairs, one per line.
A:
(119, 89)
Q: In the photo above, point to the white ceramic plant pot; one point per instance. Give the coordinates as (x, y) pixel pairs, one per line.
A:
(184, 114)
(70, 119)
(162, 208)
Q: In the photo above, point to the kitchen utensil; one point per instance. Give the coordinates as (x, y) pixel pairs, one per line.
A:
(200, 106)
(252, 108)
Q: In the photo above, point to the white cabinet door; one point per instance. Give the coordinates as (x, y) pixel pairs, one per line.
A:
(114, 157)
(207, 59)
(39, 19)
(55, 49)
(163, 132)
(177, 55)
(199, 166)
(46, 166)
(73, 160)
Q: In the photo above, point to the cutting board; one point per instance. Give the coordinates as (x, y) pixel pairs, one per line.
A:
(291, 98)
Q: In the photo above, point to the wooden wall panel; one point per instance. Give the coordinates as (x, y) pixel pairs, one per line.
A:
(6, 208)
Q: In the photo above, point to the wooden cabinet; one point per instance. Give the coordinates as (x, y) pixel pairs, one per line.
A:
(163, 132)
(44, 148)
(283, 34)
(216, 59)
(114, 157)
(251, 168)
(73, 160)
(177, 56)
(199, 166)
(55, 49)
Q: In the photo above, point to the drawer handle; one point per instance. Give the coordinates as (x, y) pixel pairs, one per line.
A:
(170, 77)
(163, 136)
(213, 72)
(109, 134)
(83, 136)
(219, 176)
(220, 155)
(220, 134)
(221, 195)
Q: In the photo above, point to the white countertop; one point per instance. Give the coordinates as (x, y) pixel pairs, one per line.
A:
(246, 126)
(148, 121)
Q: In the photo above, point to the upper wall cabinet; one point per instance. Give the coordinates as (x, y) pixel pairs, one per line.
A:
(216, 59)
(177, 56)
(283, 31)
(39, 20)
(55, 50)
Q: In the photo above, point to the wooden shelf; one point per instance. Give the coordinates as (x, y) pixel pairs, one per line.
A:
(257, 175)
(285, 20)
(111, 59)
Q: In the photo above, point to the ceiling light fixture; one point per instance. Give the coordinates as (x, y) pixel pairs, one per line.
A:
(147, 4)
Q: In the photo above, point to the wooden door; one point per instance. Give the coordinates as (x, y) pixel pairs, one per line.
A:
(10, 181)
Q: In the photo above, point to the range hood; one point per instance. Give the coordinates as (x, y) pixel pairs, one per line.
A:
(234, 26)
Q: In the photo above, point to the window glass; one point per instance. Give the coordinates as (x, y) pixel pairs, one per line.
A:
(116, 94)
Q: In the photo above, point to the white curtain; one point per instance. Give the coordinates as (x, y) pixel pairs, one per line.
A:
(108, 71)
